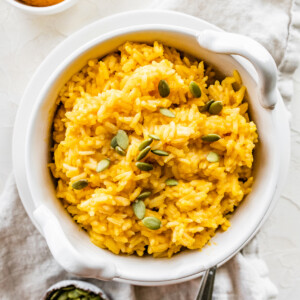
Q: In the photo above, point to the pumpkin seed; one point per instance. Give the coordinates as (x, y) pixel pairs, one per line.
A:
(63, 296)
(166, 112)
(80, 184)
(144, 166)
(68, 288)
(103, 165)
(139, 209)
(113, 142)
(154, 137)
(143, 195)
(215, 108)
(143, 153)
(163, 88)
(122, 139)
(82, 292)
(145, 143)
(152, 223)
(160, 152)
(171, 182)
(206, 106)
(195, 89)
(213, 157)
(54, 295)
(73, 294)
(211, 137)
(120, 151)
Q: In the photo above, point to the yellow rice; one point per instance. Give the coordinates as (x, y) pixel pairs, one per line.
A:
(120, 92)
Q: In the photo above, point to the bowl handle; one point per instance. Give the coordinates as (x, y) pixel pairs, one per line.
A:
(65, 254)
(261, 59)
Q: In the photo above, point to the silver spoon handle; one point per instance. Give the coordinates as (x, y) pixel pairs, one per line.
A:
(207, 284)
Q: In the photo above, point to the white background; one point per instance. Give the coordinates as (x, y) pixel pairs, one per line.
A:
(24, 43)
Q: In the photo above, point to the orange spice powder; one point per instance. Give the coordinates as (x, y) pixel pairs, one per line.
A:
(41, 2)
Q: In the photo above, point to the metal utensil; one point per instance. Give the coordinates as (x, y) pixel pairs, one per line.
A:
(207, 284)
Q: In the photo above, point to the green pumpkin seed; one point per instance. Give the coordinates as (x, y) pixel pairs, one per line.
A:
(145, 143)
(195, 89)
(139, 209)
(122, 139)
(166, 112)
(143, 195)
(103, 165)
(211, 137)
(73, 294)
(54, 295)
(120, 151)
(95, 298)
(68, 288)
(114, 142)
(215, 108)
(171, 182)
(80, 184)
(213, 157)
(144, 166)
(160, 152)
(143, 153)
(154, 137)
(63, 296)
(152, 223)
(163, 88)
(82, 292)
(206, 106)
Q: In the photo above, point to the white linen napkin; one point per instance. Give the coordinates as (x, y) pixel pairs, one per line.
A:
(26, 265)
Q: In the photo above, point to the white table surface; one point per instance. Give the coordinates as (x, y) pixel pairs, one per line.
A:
(26, 40)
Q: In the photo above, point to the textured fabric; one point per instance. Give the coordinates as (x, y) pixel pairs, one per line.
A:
(26, 266)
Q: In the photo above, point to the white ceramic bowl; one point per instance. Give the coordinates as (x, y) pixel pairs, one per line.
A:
(45, 10)
(72, 248)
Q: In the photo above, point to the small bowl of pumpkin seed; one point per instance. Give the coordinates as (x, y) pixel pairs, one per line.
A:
(74, 289)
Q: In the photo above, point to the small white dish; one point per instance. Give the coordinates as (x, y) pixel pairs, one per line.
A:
(83, 285)
(43, 10)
